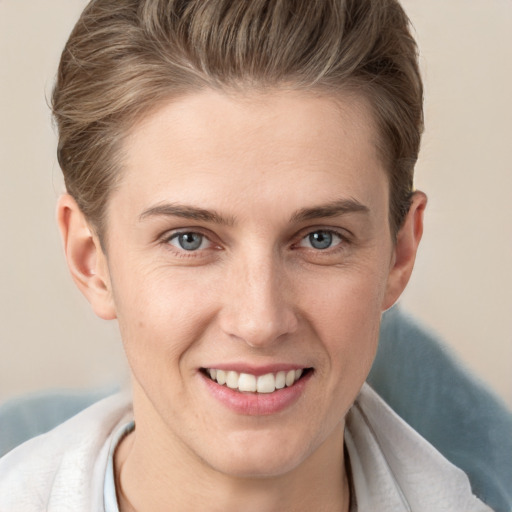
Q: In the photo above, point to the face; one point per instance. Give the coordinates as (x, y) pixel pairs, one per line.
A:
(249, 241)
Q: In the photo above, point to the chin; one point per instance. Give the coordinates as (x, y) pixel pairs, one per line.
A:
(255, 456)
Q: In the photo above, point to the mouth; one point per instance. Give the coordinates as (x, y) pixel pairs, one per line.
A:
(249, 383)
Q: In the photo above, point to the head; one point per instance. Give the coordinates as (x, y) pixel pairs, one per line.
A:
(124, 58)
(242, 184)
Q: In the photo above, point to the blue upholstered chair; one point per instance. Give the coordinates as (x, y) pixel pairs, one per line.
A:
(413, 372)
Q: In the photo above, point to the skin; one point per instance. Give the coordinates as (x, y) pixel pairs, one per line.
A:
(270, 169)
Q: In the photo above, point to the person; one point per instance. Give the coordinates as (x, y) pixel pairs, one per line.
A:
(240, 198)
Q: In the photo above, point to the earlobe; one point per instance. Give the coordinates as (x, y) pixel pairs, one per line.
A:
(405, 250)
(85, 257)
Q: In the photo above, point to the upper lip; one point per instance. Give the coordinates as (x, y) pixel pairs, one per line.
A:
(256, 370)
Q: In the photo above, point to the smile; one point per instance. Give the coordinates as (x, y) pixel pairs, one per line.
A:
(248, 383)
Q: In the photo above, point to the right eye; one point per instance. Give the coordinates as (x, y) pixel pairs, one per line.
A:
(321, 239)
(189, 241)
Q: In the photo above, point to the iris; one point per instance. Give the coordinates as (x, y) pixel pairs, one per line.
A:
(320, 239)
(190, 241)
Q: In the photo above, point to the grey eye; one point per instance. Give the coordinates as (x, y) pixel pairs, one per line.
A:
(188, 241)
(321, 240)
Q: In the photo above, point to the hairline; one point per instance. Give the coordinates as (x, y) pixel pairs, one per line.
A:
(244, 89)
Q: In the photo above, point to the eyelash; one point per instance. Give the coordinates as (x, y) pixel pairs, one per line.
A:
(181, 252)
(166, 239)
(332, 233)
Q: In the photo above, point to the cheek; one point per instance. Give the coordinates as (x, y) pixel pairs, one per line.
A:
(161, 315)
(345, 311)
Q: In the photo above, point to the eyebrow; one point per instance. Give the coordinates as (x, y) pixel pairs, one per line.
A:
(333, 209)
(339, 207)
(186, 212)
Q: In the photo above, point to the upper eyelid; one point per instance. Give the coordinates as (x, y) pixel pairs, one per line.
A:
(170, 233)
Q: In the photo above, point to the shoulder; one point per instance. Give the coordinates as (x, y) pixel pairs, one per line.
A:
(394, 466)
(67, 463)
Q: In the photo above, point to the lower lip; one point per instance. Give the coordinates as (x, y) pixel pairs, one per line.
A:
(257, 404)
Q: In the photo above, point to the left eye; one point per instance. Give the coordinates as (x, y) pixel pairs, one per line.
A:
(189, 241)
(321, 240)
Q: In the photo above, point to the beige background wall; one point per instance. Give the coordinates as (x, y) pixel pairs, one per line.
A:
(463, 282)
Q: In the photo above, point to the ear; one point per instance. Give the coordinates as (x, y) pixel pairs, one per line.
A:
(406, 247)
(85, 257)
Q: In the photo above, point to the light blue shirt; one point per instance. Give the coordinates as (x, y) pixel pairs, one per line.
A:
(109, 490)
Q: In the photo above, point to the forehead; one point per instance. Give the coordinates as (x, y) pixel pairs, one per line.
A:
(300, 146)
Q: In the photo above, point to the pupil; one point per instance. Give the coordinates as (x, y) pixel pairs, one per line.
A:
(320, 240)
(190, 241)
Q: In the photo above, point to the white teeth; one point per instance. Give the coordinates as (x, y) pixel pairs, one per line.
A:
(249, 383)
(232, 380)
(280, 380)
(266, 383)
(290, 377)
(221, 377)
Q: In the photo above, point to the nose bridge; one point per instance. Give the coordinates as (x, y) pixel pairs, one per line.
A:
(257, 309)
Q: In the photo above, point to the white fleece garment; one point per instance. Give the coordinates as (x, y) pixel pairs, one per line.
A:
(393, 468)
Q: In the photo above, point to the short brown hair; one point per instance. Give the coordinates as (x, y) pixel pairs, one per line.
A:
(124, 57)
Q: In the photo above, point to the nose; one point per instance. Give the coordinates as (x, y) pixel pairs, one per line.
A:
(257, 308)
